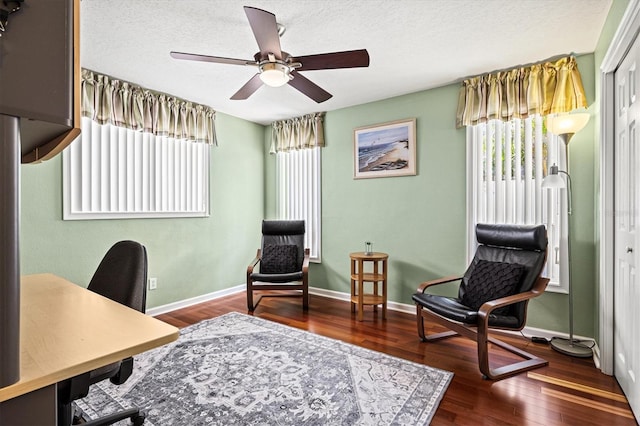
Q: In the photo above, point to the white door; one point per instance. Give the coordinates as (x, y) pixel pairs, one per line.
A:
(626, 295)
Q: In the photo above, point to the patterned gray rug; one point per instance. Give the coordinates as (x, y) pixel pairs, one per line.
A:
(239, 370)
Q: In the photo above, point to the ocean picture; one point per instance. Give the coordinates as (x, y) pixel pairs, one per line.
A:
(385, 150)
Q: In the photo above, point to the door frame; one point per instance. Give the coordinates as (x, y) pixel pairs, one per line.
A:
(623, 39)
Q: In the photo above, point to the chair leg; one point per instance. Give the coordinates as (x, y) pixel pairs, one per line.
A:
(530, 361)
(250, 304)
(65, 414)
(483, 339)
(420, 323)
(305, 295)
(481, 336)
(433, 337)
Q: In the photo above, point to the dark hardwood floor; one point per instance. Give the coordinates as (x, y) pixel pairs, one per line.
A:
(570, 391)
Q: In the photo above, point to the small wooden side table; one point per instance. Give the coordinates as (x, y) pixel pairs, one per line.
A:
(359, 276)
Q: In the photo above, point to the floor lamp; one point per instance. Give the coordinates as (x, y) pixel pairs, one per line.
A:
(565, 126)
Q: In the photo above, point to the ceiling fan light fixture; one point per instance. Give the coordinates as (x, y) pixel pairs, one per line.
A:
(274, 74)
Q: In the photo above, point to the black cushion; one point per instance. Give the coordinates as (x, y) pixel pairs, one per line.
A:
(525, 237)
(490, 281)
(451, 308)
(279, 259)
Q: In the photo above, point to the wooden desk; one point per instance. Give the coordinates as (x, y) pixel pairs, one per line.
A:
(66, 330)
(358, 277)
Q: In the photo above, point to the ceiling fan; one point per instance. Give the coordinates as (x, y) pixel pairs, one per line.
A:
(276, 67)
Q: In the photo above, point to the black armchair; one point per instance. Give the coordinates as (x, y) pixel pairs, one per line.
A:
(122, 277)
(284, 262)
(493, 293)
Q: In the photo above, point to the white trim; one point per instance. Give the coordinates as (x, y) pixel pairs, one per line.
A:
(527, 331)
(606, 224)
(622, 41)
(338, 295)
(596, 355)
(174, 306)
(624, 37)
(331, 294)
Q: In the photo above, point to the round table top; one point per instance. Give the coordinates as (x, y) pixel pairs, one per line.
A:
(376, 255)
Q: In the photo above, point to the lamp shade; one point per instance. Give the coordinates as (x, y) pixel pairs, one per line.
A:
(274, 74)
(567, 123)
(553, 179)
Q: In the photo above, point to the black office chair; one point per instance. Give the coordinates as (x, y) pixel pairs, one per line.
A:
(284, 262)
(493, 294)
(122, 277)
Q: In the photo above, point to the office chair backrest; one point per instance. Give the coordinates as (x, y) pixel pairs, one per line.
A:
(524, 245)
(122, 275)
(284, 232)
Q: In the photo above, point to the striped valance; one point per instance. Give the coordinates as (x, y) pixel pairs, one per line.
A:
(123, 104)
(544, 88)
(297, 133)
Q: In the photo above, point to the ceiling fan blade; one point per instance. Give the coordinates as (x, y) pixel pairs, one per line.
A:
(249, 88)
(309, 88)
(207, 58)
(265, 29)
(325, 61)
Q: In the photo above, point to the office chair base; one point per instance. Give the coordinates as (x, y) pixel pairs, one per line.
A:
(137, 418)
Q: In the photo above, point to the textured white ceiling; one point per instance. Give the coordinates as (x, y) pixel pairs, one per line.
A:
(413, 44)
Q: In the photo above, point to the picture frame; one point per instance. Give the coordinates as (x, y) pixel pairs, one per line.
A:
(385, 149)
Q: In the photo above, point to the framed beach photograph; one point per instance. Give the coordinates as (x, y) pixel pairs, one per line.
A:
(385, 150)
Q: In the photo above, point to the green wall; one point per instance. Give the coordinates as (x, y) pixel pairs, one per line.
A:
(421, 220)
(418, 220)
(190, 257)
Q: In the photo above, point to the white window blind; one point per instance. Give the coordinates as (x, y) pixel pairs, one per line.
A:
(507, 162)
(298, 176)
(112, 173)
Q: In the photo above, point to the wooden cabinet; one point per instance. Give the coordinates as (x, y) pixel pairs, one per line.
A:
(40, 69)
(368, 268)
(39, 116)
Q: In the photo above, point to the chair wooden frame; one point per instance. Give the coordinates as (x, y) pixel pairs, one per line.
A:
(301, 289)
(480, 332)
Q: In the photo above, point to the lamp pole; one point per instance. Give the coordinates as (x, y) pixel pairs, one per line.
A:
(568, 346)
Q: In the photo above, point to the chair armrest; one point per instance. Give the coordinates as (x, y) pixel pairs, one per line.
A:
(305, 262)
(443, 280)
(253, 263)
(486, 309)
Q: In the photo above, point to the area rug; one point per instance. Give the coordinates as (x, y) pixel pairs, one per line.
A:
(242, 370)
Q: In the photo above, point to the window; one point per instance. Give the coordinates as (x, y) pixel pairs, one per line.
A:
(299, 192)
(113, 173)
(507, 162)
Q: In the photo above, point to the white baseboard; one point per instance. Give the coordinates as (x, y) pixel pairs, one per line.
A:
(527, 331)
(163, 309)
(394, 306)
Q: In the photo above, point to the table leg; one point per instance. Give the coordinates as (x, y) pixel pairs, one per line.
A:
(360, 290)
(375, 283)
(353, 285)
(384, 289)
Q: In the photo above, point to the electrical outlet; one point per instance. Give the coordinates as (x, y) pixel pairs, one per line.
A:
(153, 283)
